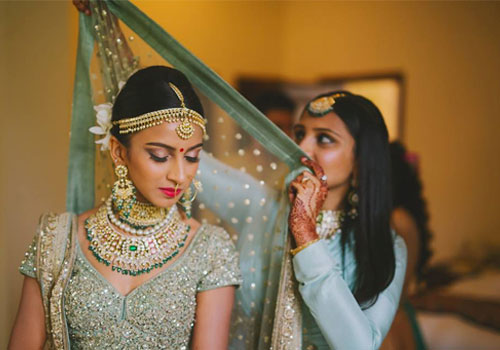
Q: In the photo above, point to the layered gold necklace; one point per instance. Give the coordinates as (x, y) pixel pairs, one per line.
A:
(157, 241)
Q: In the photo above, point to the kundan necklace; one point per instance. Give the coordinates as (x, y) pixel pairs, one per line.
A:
(136, 252)
(139, 224)
(138, 215)
(329, 223)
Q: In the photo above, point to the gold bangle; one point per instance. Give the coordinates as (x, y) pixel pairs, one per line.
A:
(303, 246)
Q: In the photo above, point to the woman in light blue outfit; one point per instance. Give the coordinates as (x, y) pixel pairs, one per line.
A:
(349, 265)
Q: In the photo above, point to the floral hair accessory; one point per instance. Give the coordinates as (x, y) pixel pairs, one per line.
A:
(104, 125)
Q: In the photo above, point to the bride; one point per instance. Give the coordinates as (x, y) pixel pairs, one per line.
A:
(138, 270)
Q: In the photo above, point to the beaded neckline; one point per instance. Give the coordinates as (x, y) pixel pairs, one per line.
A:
(168, 269)
(329, 223)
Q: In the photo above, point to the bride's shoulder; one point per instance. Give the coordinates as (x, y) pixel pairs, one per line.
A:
(51, 220)
(214, 240)
(214, 233)
(85, 215)
(53, 229)
(51, 223)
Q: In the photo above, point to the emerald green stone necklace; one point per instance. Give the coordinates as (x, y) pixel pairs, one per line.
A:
(132, 254)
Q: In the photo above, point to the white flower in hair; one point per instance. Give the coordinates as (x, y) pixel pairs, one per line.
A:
(104, 124)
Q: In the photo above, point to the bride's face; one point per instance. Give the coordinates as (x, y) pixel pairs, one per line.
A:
(158, 160)
(328, 142)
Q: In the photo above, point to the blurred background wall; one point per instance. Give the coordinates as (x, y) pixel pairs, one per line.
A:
(36, 63)
(449, 53)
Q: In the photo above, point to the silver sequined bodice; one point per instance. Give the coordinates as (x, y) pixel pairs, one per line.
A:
(158, 314)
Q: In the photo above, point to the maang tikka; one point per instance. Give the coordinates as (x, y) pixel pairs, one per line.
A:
(186, 117)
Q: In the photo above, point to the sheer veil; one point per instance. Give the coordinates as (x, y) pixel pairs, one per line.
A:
(244, 169)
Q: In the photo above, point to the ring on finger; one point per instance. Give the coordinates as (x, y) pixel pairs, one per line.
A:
(305, 179)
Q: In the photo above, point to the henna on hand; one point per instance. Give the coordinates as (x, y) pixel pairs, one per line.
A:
(307, 194)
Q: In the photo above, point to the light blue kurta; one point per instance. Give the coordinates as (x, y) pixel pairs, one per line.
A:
(332, 318)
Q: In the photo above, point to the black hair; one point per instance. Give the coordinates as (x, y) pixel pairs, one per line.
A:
(274, 99)
(369, 233)
(148, 90)
(407, 194)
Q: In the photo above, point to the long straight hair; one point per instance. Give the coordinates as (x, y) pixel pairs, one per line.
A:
(370, 232)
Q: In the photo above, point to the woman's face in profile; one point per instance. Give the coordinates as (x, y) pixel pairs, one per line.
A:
(328, 142)
(158, 160)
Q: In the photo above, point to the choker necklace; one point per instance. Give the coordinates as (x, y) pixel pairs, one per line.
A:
(135, 254)
(137, 215)
(329, 223)
(141, 230)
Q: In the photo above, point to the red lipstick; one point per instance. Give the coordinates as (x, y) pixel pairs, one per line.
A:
(170, 191)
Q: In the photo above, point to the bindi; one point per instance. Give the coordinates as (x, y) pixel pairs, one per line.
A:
(181, 150)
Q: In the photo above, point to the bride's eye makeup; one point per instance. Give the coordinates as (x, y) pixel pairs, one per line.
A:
(192, 159)
(162, 153)
(193, 156)
(156, 157)
(159, 159)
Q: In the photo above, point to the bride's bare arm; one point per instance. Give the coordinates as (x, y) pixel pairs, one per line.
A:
(213, 315)
(28, 332)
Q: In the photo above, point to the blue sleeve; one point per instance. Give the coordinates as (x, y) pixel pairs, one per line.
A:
(341, 320)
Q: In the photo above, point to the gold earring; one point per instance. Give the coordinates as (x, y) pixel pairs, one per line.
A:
(189, 196)
(123, 192)
(197, 185)
(353, 200)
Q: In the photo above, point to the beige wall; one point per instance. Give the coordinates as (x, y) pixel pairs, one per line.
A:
(232, 37)
(449, 52)
(36, 86)
(3, 110)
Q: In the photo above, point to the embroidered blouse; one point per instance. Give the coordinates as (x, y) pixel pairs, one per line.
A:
(158, 314)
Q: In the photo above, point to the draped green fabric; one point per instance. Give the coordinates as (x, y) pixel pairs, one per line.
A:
(254, 208)
(80, 189)
(80, 194)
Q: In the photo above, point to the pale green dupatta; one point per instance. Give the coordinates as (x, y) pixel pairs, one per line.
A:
(256, 211)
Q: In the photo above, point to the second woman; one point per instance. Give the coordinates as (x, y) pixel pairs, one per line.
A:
(349, 265)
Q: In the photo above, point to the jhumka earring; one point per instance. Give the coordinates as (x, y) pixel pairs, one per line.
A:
(189, 196)
(353, 200)
(123, 192)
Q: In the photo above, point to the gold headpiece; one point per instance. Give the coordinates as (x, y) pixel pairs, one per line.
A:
(187, 117)
(323, 105)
